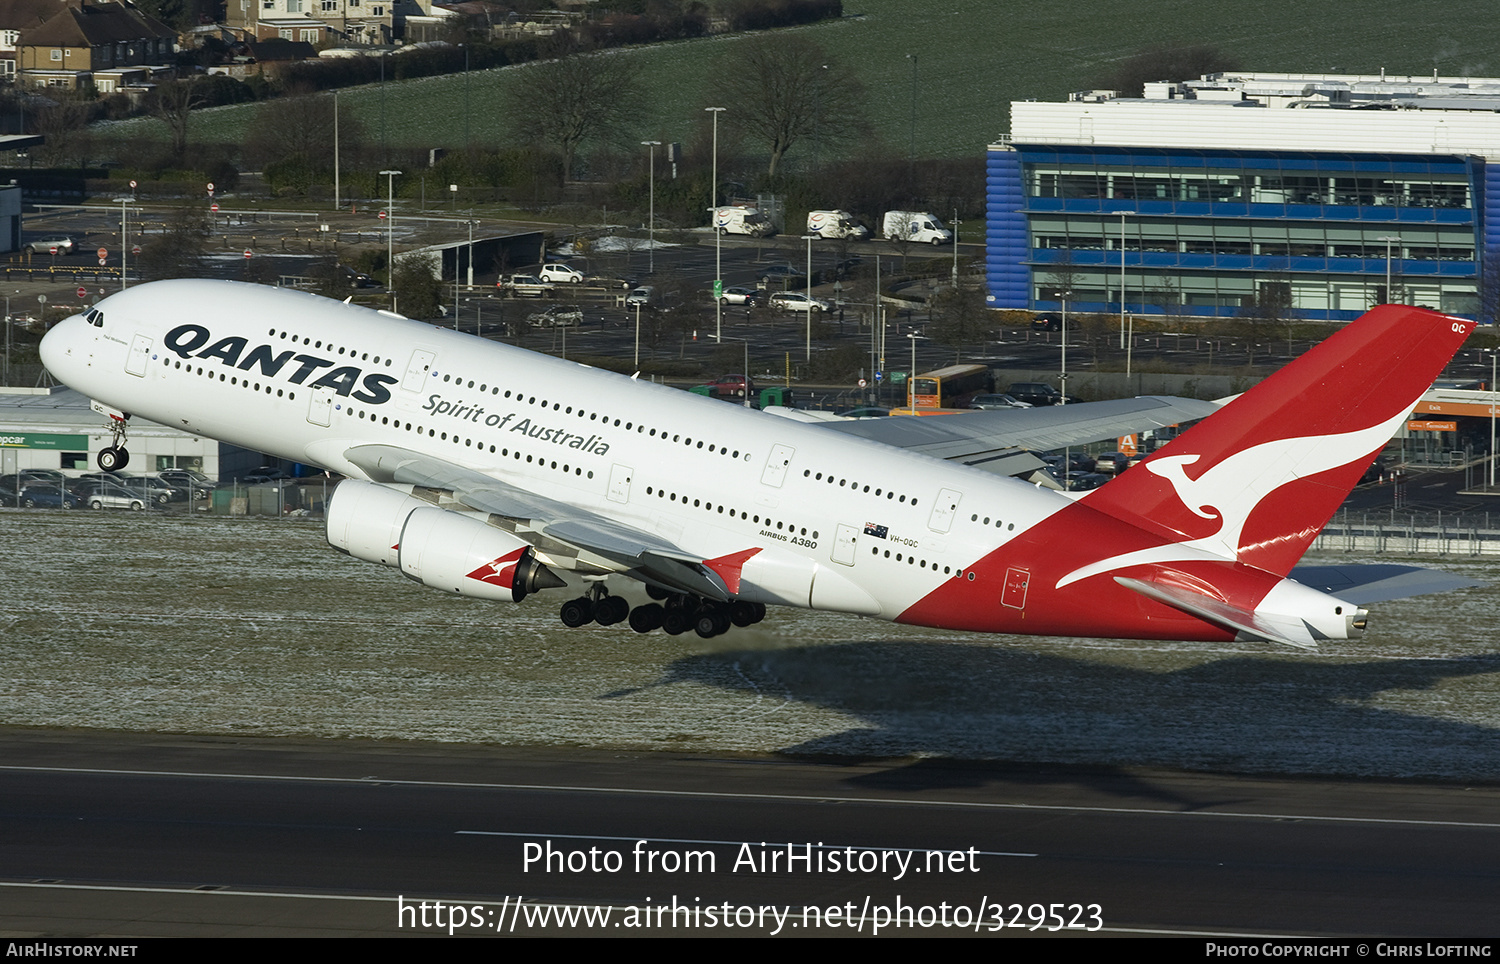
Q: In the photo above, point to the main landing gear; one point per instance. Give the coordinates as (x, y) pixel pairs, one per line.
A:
(674, 614)
(114, 457)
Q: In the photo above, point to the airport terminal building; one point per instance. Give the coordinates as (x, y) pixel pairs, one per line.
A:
(1315, 195)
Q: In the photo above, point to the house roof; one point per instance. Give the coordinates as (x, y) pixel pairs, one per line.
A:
(95, 25)
(22, 14)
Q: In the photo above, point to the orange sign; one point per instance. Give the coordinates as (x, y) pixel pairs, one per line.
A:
(1419, 425)
(1128, 445)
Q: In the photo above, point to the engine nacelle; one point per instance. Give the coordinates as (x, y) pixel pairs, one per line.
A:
(458, 553)
(365, 519)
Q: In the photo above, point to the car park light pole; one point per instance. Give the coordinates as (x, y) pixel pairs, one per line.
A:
(807, 293)
(713, 223)
(1389, 239)
(124, 242)
(651, 221)
(390, 233)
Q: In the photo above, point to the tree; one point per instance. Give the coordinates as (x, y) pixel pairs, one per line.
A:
(960, 319)
(569, 102)
(418, 290)
(173, 103)
(178, 250)
(783, 90)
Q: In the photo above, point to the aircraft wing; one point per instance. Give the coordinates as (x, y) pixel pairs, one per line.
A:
(1363, 583)
(992, 440)
(570, 537)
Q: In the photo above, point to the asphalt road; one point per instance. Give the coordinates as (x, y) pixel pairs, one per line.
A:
(112, 835)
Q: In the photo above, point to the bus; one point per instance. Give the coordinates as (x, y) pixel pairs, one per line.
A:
(950, 387)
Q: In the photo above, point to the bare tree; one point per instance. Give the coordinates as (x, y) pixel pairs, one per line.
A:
(960, 319)
(569, 102)
(785, 89)
(173, 103)
(178, 250)
(64, 129)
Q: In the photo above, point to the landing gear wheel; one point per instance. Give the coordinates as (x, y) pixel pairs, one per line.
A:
(675, 622)
(112, 459)
(643, 619)
(744, 613)
(611, 610)
(577, 612)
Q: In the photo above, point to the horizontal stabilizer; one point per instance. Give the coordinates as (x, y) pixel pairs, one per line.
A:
(1287, 632)
(1377, 582)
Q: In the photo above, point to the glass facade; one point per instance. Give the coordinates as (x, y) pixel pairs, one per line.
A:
(1211, 232)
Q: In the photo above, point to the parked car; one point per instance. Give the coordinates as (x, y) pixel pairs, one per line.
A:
(997, 401)
(198, 484)
(42, 497)
(266, 473)
(1111, 463)
(795, 301)
(1038, 393)
(154, 490)
(731, 387)
(61, 242)
(100, 494)
(564, 273)
(1047, 321)
(646, 296)
(522, 286)
(740, 295)
(556, 316)
(780, 272)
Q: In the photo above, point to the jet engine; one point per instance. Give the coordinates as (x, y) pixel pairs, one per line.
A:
(365, 519)
(458, 553)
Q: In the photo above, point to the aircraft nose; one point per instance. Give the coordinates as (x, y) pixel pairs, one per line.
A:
(57, 347)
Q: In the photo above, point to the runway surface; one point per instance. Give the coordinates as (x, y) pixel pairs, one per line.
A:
(129, 835)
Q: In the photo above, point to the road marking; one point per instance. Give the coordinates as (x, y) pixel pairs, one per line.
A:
(781, 797)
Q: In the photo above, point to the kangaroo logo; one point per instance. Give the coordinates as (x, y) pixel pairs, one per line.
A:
(1233, 489)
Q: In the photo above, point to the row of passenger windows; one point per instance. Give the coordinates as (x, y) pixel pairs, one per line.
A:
(629, 426)
(468, 442)
(830, 478)
(304, 340)
(733, 513)
(234, 380)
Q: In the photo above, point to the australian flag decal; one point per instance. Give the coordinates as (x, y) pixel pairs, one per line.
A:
(871, 529)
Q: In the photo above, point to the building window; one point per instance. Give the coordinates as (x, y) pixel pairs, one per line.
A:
(57, 55)
(285, 33)
(9, 38)
(310, 36)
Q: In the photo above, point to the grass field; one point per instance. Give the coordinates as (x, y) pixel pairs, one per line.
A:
(973, 58)
(127, 621)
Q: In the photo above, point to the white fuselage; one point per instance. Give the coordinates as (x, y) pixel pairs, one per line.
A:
(306, 379)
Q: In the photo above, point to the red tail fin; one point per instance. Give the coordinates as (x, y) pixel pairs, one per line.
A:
(1257, 480)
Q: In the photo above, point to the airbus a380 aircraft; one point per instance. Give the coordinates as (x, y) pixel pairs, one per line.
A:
(489, 471)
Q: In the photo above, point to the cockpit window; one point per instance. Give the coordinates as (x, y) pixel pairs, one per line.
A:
(94, 317)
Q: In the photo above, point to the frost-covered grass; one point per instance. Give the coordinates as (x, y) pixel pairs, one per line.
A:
(973, 57)
(131, 622)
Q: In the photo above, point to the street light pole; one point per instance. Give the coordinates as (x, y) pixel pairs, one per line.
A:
(1064, 378)
(1122, 279)
(390, 235)
(807, 293)
(651, 221)
(713, 222)
(912, 155)
(1389, 239)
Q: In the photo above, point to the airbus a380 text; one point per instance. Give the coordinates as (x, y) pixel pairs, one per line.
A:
(485, 470)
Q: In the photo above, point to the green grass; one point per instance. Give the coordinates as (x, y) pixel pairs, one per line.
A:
(973, 58)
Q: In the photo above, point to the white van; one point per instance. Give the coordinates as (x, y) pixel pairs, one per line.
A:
(836, 224)
(734, 219)
(918, 226)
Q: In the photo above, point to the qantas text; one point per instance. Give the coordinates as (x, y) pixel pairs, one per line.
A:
(186, 340)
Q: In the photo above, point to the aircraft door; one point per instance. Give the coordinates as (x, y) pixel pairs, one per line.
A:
(776, 465)
(1013, 593)
(140, 354)
(845, 541)
(417, 369)
(320, 408)
(619, 484)
(943, 510)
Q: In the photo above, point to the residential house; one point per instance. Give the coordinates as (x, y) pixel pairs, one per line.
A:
(104, 44)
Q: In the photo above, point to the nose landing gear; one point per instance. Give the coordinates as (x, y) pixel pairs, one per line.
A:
(114, 457)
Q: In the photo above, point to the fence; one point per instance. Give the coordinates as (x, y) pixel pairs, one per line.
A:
(1412, 534)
